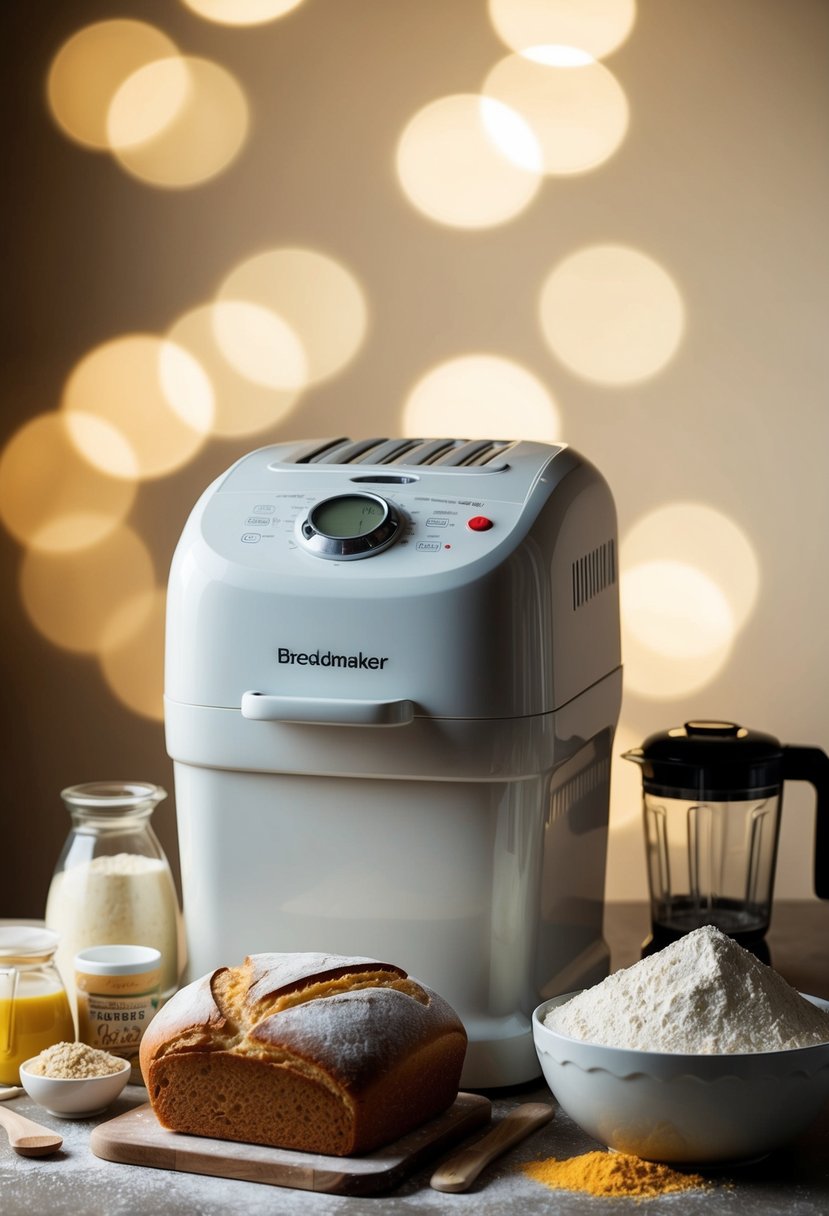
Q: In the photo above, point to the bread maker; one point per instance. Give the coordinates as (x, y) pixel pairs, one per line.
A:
(392, 680)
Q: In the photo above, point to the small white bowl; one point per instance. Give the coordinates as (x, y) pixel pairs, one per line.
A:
(75, 1097)
(691, 1109)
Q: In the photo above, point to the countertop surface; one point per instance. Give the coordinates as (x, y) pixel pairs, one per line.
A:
(794, 1180)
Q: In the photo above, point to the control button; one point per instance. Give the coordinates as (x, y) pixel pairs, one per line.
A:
(251, 538)
(437, 522)
(429, 546)
(259, 521)
(479, 523)
(264, 508)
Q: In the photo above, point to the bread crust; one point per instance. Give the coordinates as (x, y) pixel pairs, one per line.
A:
(322, 1053)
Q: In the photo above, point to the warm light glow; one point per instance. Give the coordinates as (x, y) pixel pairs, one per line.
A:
(677, 629)
(611, 314)
(704, 538)
(149, 101)
(675, 609)
(481, 396)
(511, 135)
(553, 55)
(314, 297)
(178, 122)
(71, 597)
(654, 677)
(466, 161)
(690, 580)
(50, 497)
(578, 113)
(131, 653)
(259, 345)
(626, 787)
(89, 69)
(241, 406)
(151, 393)
(242, 12)
(94, 435)
(599, 26)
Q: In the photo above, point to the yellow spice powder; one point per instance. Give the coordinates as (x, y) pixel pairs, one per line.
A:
(601, 1173)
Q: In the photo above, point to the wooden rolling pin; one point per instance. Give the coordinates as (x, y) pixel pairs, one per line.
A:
(461, 1169)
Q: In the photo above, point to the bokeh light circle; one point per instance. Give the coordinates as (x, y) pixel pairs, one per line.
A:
(597, 26)
(705, 538)
(71, 597)
(149, 100)
(612, 314)
(152, 393)
(51, 498)
(89, 69)
(259, 345)
(574, 107)
(690, 579)
(241, 12)
(314, 296)
(451, 167)
(481, 396)
(676, 610)
(241, 406)
(131, 652)
(178, 122)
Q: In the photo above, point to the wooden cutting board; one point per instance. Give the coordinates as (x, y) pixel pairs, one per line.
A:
(137, 1138)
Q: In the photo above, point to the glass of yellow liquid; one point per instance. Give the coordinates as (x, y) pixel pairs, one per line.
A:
(34, 1007)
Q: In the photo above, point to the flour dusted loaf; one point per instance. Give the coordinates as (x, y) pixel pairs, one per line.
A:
(315, 1052)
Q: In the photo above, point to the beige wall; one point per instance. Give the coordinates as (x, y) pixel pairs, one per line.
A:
(720, 181)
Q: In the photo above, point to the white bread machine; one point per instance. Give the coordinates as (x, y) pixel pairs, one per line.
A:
(392, 682)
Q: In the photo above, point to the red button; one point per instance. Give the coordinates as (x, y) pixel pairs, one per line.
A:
(479, 523)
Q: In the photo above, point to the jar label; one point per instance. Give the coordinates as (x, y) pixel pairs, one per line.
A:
(115, 1010)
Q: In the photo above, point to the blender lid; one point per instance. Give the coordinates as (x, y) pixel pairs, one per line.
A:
(714, 760)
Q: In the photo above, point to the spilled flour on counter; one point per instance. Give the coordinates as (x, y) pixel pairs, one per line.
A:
(702, 995)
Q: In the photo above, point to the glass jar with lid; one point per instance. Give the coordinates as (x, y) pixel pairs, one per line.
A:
(34, 1009)
(112, 883)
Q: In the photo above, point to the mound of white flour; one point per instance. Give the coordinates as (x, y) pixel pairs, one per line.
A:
(703, 995)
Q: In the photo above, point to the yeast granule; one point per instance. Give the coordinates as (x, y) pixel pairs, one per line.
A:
(612, 1174)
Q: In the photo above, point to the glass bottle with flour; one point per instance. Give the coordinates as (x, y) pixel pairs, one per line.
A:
(112, 883)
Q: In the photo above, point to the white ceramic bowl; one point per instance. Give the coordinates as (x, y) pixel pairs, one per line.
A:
(693, 1109)
(74, 1098)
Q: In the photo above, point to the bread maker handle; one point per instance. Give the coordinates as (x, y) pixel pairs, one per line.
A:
(324, 711)
(812, 765)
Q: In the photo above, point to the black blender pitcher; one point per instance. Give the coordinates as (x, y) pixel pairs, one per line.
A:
(712, 794)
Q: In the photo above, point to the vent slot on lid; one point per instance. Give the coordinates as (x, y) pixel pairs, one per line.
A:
(448, 453)
(390, 449)
(426, 452)
(480, 452)
(350, 452)
(594, 572)
(456, 453)
(309, 453)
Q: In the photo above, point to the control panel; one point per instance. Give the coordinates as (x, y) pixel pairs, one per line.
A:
(406, 531)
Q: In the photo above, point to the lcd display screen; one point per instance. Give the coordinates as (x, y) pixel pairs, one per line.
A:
(349, 515)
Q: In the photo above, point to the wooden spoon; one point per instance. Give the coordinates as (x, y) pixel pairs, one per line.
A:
(28, 1138)
(461, 1169)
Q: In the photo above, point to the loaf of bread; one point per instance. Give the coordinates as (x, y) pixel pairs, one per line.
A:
(316, 1052)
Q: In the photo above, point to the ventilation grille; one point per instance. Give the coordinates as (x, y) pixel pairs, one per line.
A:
(447, 453)
(577, 796)
(593, 572)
